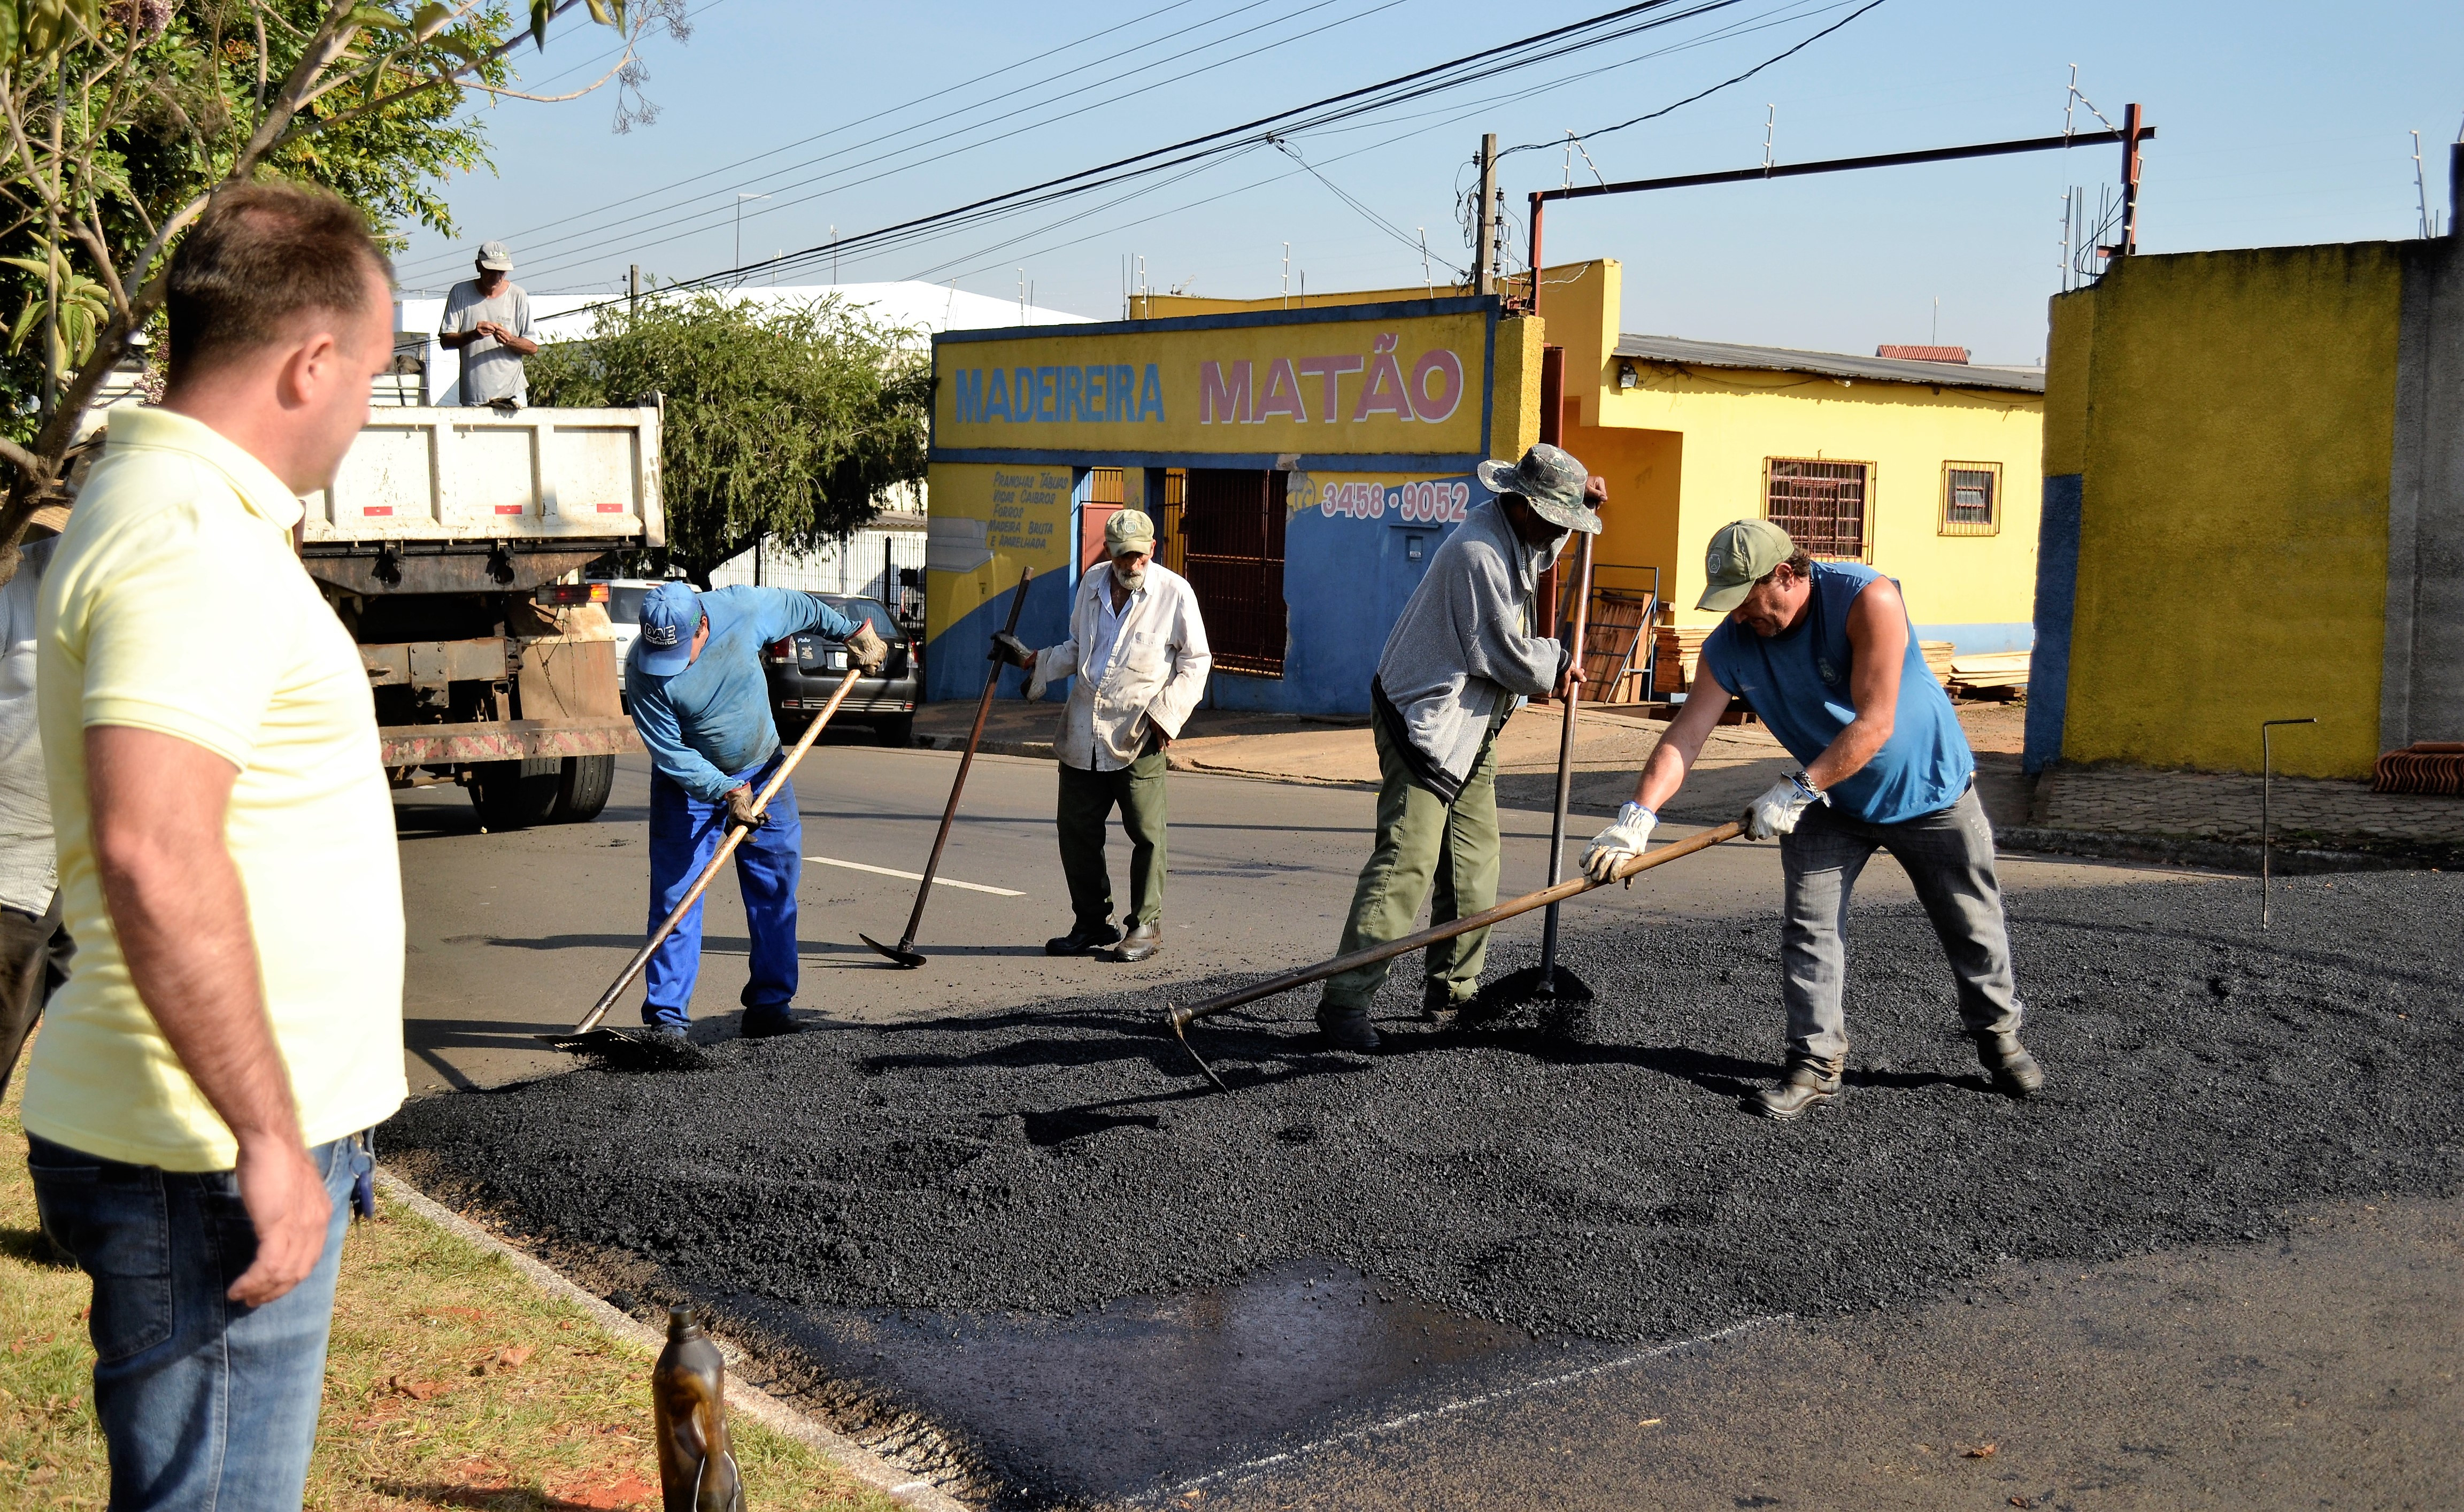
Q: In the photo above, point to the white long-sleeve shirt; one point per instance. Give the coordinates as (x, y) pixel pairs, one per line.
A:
(1152, 676)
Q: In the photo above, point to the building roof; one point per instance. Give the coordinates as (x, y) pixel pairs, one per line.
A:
(1685, 353)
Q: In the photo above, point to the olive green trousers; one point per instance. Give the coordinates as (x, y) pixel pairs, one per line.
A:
(1086, 801)
(1424, 843)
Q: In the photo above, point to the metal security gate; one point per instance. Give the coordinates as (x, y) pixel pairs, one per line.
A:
(1822, 505)
(1230, 542)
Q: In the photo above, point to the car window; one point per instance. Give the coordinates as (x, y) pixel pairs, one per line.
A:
(872, 609)
(625, 605)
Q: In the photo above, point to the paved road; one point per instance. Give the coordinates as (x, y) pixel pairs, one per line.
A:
(517, 935)
(2318, 1372)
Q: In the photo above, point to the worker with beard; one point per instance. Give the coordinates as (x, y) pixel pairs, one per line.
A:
(1823, 653)
(1137, 649)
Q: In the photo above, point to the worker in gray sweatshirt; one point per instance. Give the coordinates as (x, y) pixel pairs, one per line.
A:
(1460, 658)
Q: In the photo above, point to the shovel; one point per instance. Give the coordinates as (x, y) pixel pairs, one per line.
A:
(1180, 1018)
(1547, 980)
(659, 1051)
(1005, 649)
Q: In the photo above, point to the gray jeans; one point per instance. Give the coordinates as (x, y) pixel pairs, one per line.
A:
(1948, 857)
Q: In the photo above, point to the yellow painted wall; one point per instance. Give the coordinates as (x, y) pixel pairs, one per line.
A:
(1516, 428)
(2239, 421)
(1001, 518)
(1639, 526)
(1168, 306)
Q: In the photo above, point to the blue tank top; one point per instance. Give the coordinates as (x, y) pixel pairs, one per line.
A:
(1797, 683)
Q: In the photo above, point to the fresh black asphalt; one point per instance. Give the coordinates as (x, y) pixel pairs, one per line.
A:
(1583, 1173)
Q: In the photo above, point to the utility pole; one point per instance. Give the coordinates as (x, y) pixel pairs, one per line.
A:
(2131, 133)
(1484, 254)
(632, 288)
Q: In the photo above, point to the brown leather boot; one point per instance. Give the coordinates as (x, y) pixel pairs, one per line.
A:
(2015, 1072)
(1806, 1083)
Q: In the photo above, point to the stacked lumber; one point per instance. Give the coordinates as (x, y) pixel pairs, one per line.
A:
(1996, 675)
(1680, 647)
(1937, 658)
(2432, 767)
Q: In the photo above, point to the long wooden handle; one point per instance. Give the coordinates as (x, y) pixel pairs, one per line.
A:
(966, 759)
(726, 848)
(1573, 886)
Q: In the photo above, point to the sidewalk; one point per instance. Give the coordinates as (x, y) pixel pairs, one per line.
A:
(2224, 808)
(1738, 762)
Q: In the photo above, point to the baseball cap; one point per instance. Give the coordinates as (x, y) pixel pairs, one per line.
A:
(495, 257)
(1551, 481)
(1741, 555)
(671, 614)
(1127, 530)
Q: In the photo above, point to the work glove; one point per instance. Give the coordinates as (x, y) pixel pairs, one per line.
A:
(1008, 648)
(740, 810)
(1777, 811)
(1619, 843)
(868, 651)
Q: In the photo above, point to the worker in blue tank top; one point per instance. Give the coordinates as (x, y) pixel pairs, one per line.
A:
(1823, 653)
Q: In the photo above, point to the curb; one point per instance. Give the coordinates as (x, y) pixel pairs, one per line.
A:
(2215, 855)
(750, 1400)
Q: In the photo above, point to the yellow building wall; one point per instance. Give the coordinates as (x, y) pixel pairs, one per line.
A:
(1639, 525)
(2238, 424)
(1732, 424)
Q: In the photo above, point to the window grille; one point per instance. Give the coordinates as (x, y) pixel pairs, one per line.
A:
(1972, 499)
(1822, 504)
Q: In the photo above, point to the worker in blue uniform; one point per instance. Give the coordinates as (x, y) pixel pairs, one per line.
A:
(702, 705)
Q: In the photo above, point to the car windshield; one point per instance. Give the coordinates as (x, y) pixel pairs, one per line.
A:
(625, 605)
(872, 609)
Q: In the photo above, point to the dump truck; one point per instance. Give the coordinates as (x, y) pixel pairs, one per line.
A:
(446, 546)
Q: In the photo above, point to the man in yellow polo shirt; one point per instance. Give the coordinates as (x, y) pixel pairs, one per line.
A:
(233, 1020)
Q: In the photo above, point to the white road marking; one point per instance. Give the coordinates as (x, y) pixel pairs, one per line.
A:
(917, 876)
(1466, 1405)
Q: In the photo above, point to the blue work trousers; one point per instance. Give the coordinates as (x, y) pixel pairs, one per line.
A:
(685, 833)
(205, 1404)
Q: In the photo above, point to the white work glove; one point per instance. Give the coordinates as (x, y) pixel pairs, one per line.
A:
(1619, 843)
(1777, 811)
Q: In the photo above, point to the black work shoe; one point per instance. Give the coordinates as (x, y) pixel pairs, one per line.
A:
(1083, 939)
(2015, 1072)
(1805, 1083)
(771, 1028)
(1346, 1028)
(1142, 941)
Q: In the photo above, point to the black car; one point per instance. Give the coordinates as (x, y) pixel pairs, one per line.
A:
(805, 669)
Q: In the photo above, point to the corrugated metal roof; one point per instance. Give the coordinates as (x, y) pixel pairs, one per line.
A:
(1685, 353)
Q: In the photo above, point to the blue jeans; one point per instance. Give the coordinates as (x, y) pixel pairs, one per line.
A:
(205, 1403)
(684, 832)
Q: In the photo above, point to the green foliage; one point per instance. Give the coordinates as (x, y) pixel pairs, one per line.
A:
(787, 420)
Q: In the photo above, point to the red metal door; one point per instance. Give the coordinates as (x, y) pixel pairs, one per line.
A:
(1232, 549)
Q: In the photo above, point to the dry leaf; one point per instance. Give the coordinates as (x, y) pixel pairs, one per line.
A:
(418, 1391)
(513, 1355)
(1983, 1452)
(2022, 1502)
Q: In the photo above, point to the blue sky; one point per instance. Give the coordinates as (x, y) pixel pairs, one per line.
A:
(2278, 124)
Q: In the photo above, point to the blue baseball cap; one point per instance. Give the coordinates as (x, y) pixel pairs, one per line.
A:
(671, 614)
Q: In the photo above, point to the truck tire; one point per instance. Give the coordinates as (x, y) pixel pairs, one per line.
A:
(515, 795)
(583, 787)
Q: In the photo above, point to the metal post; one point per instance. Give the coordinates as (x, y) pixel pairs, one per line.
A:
(1484, 256)
(2128, 241)
(632, 287)
(1536, 204)
(2267, 802)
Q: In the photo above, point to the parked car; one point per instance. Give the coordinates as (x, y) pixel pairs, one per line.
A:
(805, 669)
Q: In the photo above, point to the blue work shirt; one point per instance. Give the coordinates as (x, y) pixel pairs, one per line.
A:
(1797, 683)
(710, 725)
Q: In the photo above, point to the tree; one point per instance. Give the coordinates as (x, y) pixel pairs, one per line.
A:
(790, 421)
(119, 119)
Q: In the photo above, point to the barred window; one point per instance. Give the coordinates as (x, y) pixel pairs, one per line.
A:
(1972, 499)
(1822, 505)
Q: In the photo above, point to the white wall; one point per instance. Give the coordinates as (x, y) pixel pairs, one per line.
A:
(854, 565)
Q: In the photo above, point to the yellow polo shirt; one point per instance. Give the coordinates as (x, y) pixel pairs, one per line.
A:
(175, 604)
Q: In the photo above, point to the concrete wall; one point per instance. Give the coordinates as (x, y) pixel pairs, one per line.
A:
(2229, 420)
(2422, 676)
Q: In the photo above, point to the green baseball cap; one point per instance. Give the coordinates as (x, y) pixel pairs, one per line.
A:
(1742, 553)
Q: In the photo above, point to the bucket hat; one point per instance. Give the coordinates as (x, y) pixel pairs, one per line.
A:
(1551, 481)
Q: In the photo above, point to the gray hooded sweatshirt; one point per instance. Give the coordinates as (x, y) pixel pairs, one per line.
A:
(1458, 653)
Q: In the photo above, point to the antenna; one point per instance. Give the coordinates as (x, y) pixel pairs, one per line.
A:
(2421, 188)
(1770, 126)
(1288, 275)
(1935, 339)
(1426, 276)
(1021, 296)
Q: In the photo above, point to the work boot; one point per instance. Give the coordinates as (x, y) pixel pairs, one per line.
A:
(1142, 941)
(1083, 939)
(1437, 1004)
(2014, 1072)
(770, 1026)
(1806, 1083)
(1346, 1028)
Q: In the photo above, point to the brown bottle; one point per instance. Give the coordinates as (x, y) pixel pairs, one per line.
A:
(688, 1407)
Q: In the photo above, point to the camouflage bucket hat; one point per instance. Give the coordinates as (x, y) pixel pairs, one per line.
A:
(1551, 481)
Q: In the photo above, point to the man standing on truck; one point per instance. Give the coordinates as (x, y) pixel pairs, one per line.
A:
(488, 321)
(1823, 653)
(694, 683)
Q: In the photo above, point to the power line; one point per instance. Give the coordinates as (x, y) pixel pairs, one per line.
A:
(889, 110)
